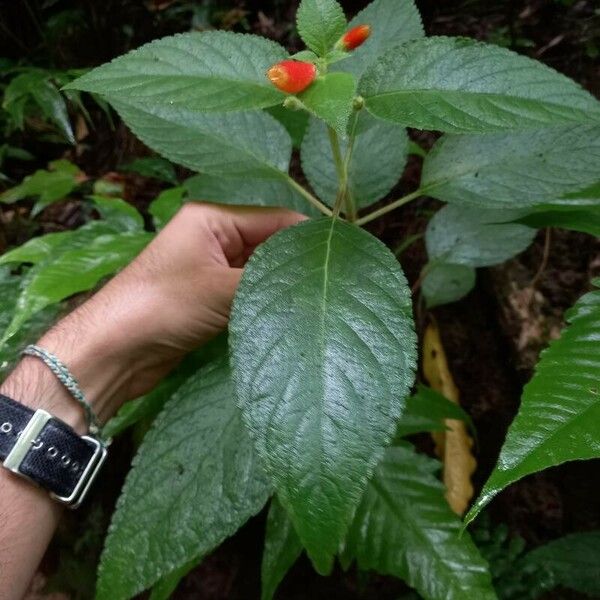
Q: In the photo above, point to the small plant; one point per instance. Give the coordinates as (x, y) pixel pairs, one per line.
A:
(311, 401)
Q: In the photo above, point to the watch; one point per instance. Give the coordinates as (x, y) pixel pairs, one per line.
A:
(48, 452)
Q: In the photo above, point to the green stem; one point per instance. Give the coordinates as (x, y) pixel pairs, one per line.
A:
(337, 159)
(308, 196)
(349, 201)
(389, 207)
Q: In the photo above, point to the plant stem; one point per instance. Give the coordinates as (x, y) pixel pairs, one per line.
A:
(308, 196)
(349, 201)
(389, 207)
(339, 167)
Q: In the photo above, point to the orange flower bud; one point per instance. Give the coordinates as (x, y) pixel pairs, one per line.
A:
(355, 37)
(292, 76)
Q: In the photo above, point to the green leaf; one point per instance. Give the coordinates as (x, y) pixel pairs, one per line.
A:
(208, 71)
(118, 213)
(392, 22)
(572, 561)
(377, 162)
(44, 247)
(10, 286)
(321, 23)
(323, 351)
(330, 98)
(282, 549)
(460, 86)
(515, 170)
(426, 410)
(255, 192)
(480, 238)
(585, 219)
(446, 282)
(237, 144)
(165, 205)
(405, 528)
(153, 166)
(74, 271)
(58, 181)
(560, 408)
(36, 87)
(195, 480)
(295, 122)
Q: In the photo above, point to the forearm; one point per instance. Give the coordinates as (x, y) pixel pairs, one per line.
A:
(28, 516)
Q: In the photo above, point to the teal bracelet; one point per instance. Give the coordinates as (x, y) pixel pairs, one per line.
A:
(66, 378)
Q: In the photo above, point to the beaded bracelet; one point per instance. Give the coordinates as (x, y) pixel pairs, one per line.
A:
(66, 378)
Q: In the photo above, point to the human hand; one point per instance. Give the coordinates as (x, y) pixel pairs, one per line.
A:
(172, 298)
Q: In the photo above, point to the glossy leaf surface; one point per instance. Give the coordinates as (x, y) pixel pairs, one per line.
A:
(377, 162)
(514, 170)
(405, 528)
(558, 418)
(323, 352)
(208, 71)
(195, 480)
(459, 85)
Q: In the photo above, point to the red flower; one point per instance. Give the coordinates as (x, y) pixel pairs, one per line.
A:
(292, 76)
(355, 37)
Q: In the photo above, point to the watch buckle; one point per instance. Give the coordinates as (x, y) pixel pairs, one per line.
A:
(88, 476)
(27, 439)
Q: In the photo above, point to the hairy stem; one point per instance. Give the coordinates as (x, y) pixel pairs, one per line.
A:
(350, 207)
(389, 207)
(339, 167)
(308, 196)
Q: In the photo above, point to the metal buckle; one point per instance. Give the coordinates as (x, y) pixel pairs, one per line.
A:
(29, 436)
(88, 476)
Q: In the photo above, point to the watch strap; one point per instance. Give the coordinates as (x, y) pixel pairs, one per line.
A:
(47, 451)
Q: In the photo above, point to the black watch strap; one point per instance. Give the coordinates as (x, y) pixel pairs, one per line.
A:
(45, 450)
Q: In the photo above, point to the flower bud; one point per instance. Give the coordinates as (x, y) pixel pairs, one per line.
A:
(292, 76)
(354, 38)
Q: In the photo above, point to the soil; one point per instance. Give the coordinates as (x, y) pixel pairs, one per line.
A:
(492, 338)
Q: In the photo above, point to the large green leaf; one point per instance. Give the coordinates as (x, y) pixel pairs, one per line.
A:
(404, 527)
(512, 170)
(571, 561)
(256, 192)
(475, 238)
(446, 282)
(61, 178)
(584, 218)
(392, 22)
(323, 351)
(209, 71)
(320, 24)
(73, 271)
(460, 86)
(195, 480)
(560, 408)
(377, 162)
(330, 98)
(295, 122)
(282, 549)
(239, 144)
(118, 214)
